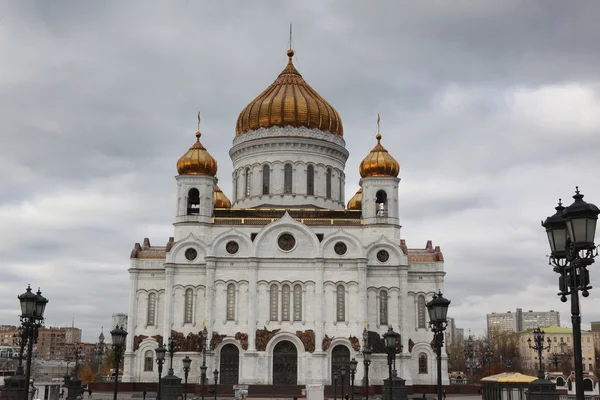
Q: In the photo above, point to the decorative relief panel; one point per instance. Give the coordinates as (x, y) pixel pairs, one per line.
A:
(308, 339)
(243, 339)
(263, 336)
(137, 340)
(216, 340)
(191, 342)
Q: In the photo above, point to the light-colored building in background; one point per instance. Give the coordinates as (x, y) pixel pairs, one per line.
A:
(72, 335)
(119, 319)
(520, 321)
(561, 343)
(459, 334)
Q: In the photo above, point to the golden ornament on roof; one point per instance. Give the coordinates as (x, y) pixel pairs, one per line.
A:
(220, 200)
(355, 202)
(197, 161)
(289, 101)
(379, 162)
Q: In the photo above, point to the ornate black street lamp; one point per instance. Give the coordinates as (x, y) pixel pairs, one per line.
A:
(366, 361)
(390, 338)
(343, 376)
(118, 344)
(216, 375)
(539, 346)
(336, 375)
(99, 352)
(438, 310)
(172, 349)
(203, 366)
(488, 354)
(160, 360)
(187, 362)
(77, 351)
(470, 355)
(352, 364)
(571, 233)
(555, 360)
(32, 318)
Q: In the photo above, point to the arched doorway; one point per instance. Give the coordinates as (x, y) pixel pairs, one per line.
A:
(230, 364)
(588, 385)
(285, 363)
(340, 357)
(560, 381)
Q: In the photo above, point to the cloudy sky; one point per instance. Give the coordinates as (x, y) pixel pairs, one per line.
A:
(491, 107)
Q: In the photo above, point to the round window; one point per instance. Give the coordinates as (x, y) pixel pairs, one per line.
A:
(286, 242)
(232, 247)
(383, 256)
(340, 248)
(191, 254)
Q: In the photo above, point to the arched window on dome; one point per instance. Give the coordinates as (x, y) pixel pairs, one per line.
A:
(151, 315)
(188, 306)
(287, 179)
(273, 302)
(266, 179)
(383, 307)
(381, 203)
(297, 303)
(340, 301)
(310, 180)
(422, 363)
(149, 360)
(285, 303)
(328, 183)
(421, 312)
(193, 202)
(231, 302)
(247, 183)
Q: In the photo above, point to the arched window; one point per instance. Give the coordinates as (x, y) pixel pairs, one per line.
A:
(230, 302)
(383, 308)
(381, 203)
(297, 303)
(340, 303)
(247, 184)
(188, 306)
(273, 303)
(285, 303)
(328, 183)
(266, 179)
(310, 180)
(235, 194)
(421, 311)
(193, 202)
(422, 363)
(151, 317)
(287, 178)
(149, 360)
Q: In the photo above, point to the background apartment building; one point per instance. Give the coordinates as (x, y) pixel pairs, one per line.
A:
(520, 321)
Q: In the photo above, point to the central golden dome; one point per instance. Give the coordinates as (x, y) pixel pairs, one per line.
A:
(289, 101)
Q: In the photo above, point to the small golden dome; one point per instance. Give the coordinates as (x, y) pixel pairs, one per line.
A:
(197, 161)
(355, 202)
(219, 198)
(289, 101)
(379, 162)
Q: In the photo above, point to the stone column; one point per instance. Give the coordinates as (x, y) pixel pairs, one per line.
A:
(251, 354)
(405, 357)
(362, 290)
(318, 302)
(168, 317)
(211, 264)
(129, 356)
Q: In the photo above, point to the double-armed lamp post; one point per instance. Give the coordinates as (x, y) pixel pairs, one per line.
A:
(187, 362)
(160, 360)
(571, 232)
(438, 310)
(539, 347)
(391, 343)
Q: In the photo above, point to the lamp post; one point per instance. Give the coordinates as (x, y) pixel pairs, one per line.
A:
(390, 338)
(366, 361)
(336, 375)
(353, 363)
(438, 310)
(77, 350)
(32, 318)
(160, 360)
(538, 340)
(216, 375)
(118, 344)
(203, 367)
(187, 362)
(343, 376)
(172, 349)
(571, 233)
(555, 360)
(99, 352)
(470, 355)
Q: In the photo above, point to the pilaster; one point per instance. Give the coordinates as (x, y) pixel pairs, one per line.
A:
(211, 264)
(168, 318)
(319, 277)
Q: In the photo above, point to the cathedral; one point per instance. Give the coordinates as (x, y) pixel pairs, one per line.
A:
(284, 277)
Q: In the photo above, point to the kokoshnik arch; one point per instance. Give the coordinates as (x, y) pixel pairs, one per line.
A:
(285, 275)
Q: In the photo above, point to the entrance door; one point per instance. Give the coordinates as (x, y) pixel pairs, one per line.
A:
(285, 364)
(340, 357)
(230, 364)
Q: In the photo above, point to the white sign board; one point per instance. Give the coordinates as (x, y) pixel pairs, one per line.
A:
(315, 392)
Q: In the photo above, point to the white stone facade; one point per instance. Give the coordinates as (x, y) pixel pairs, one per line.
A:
(309, 285)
